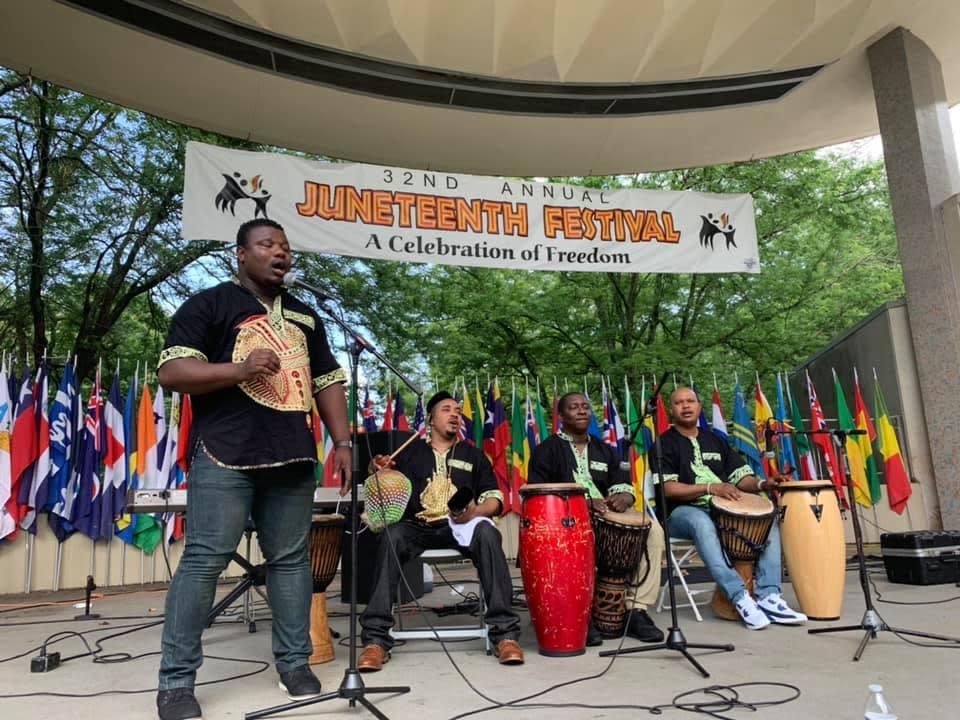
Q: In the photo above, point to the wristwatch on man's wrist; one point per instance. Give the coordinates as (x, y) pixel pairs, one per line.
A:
(343, 444)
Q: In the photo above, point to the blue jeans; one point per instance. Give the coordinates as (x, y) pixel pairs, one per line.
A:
(693, 523)
(219, 501)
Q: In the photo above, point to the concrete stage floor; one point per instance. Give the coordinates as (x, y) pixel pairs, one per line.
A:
(919, 682)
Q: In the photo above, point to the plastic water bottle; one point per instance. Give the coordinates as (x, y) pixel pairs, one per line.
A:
(877, 706)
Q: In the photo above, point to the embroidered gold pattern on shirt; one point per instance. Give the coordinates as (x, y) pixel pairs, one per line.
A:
(180, 351)
(438, 492)
(324, 381)
(301, 318)
(288, 389)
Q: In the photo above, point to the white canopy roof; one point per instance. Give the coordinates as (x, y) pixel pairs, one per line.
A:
(515, 87)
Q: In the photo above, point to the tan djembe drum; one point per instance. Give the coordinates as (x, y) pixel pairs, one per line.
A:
(743, 526)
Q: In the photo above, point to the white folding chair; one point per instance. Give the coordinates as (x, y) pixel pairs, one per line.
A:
(681, 552)
(447, 632)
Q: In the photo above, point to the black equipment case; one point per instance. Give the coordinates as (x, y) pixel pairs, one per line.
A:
(922, 557)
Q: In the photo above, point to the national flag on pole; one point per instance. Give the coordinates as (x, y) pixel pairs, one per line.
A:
(898, 484)
(369, 417)
(89, 503)
(126, 523)
(519, 446)
(496, 440)
(662, 419)
(855, 461)
(808, 469)
(40, 477)
(744, 438)
(543, 428)
(7, 522)
(594, 427)
(147, 533)
(636, 452)
(762, 416)
(420, 418)
(783, 441)
(479, 417)
(169, 470)
(865, 422)
(63, 421)
(824, 441)
(388, 413)
(466, 417)
(23, 452)
(114, 461)
(184, 458)
(400, 421)
(718, 424)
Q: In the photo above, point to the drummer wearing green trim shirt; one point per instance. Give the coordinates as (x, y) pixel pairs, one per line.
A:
(572, 455)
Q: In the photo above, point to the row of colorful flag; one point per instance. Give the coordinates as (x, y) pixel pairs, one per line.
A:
(770, 441)
(75, 463)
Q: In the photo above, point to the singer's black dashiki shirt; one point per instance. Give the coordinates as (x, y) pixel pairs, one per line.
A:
(266, 421)
(436, 476)
(698, 461)
(599, 469)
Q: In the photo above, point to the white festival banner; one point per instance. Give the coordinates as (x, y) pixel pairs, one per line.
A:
(390, 213)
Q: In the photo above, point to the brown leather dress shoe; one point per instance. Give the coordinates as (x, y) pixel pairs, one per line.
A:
(372, 658)
(509, 652)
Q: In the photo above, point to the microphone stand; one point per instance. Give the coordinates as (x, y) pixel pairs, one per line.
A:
(675, 639)
(871, 623)
(351, 687)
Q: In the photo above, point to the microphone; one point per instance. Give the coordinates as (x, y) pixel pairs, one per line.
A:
(292, 278)
(458, 503)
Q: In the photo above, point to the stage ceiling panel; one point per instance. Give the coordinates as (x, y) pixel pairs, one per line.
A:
(512, 87)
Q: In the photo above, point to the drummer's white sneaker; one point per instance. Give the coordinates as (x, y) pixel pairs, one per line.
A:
(779, 612)
(753, 617)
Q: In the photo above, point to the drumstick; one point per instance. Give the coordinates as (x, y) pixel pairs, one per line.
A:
(403, 447)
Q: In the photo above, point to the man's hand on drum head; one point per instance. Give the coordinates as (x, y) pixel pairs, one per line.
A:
(620, 502)
(380, 462)
(598, 506)
(468, 514)
(725, 490)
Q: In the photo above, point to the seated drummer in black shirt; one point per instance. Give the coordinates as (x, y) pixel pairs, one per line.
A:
(572, 455)
(436, 468)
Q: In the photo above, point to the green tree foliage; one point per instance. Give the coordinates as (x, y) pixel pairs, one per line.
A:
(91, 197)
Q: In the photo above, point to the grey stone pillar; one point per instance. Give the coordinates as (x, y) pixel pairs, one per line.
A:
(922, 171)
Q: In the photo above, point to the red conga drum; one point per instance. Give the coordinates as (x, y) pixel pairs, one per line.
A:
(557, 564)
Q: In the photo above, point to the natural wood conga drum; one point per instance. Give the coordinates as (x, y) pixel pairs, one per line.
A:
(814, 546)
(324, 542)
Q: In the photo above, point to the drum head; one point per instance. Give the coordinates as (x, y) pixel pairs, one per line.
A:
(748, 504)
(564, 489)
(332, 519)
(631, 518)
(805, 485)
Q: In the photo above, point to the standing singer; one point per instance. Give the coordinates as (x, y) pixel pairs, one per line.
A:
(252, 357)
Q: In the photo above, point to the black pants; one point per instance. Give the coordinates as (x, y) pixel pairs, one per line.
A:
(411, 538)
